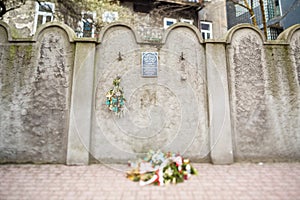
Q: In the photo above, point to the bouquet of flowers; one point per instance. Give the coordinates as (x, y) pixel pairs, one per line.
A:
(161, 168)
(115, 100)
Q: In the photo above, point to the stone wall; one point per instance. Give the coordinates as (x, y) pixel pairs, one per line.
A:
(265, 101)
(168, 112)
(216, 101)
(35, 96)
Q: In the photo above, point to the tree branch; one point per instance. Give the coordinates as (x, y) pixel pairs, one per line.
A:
(237, 2)
(15, 7)
(248, 7)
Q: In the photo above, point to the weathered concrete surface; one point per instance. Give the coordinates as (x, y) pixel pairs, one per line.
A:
(208, 101)
(264, 97)
(219, 110)
(82, 98)
(34, 104)
(168, 112)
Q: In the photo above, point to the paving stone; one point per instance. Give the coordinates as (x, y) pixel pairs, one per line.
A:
(236, 181)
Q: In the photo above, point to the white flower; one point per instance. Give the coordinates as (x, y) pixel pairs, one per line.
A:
(169, 171)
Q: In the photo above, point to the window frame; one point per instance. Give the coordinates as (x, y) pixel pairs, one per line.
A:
(110, 16)
(80, 32)
(188, 21)
(166, 20)
(43, 14)
(205, 32)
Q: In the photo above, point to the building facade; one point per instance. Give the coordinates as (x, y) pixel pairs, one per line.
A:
(212, 19)
(149, 17)
(279, 15)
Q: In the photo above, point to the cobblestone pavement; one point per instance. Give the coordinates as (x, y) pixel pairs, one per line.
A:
(238, 181)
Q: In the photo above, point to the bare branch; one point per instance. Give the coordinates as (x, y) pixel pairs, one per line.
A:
(237, 2)
(248, 7)
(182, 8)
(261, 4)
(17, 6)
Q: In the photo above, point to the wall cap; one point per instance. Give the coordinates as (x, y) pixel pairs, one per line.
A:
(288, 33)
(71, 34)
(182, 24)
(234, 29)
(118, 24)
(8, 30)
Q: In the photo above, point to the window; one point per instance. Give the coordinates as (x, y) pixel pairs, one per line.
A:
(277, 8)
(189, 21)
(86, 25)
(109, 17)
(43, 13)
(206, 30)
(169, 22)
(273, 9)
(241, 10)
(273, 32)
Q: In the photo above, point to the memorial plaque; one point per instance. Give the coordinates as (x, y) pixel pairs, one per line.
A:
(149, 64)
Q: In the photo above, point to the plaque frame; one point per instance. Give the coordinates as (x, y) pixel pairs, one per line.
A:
(149, 62)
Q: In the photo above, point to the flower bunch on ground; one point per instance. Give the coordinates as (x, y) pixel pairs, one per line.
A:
(160, 168)
(115, 100)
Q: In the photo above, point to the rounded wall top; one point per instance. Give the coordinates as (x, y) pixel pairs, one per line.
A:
(118, 24)
(181, 24)
(12, 35)
(139, 40)
(238, 27)
(288, 33)
(71, 34)
(7, 29)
